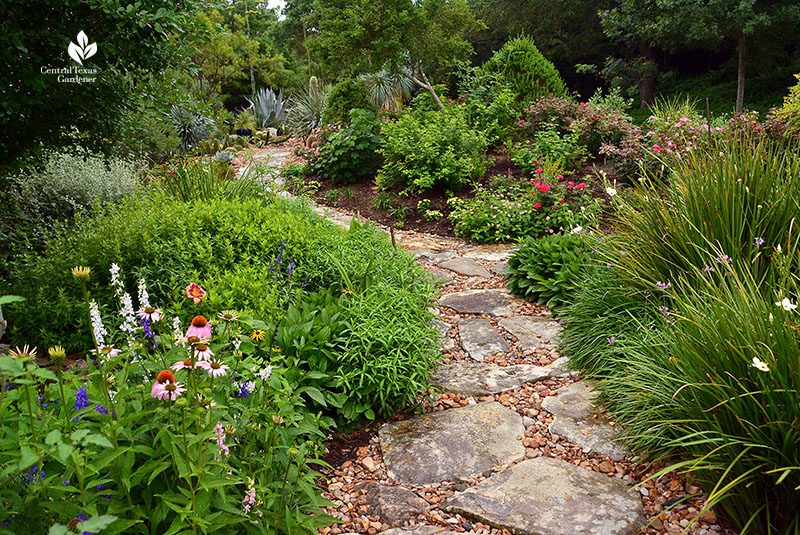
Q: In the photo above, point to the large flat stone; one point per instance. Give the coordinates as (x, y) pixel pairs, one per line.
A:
(490, 253)
(479, 379)
(500, 269)
(480, 339)
(546, 496)
(465, 266)
(394, 505)
(433, 257)
(532, 331)
(576, 419)
(492, 302)
(452, 445)
(437, 277)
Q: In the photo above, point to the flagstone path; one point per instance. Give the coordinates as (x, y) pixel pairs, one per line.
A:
(513, 444)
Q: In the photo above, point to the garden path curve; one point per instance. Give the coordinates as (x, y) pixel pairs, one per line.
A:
(514, 442)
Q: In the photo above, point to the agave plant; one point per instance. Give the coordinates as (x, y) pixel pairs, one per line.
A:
(306, 107)
(191, 127)
(270, 108)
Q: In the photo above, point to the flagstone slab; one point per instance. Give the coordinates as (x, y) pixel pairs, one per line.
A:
(394, 505)
(532, 331)
(500, 269)
(465, 266)
(492, 302)
(490, 253)
(422, 529)
(547, 496)
(480, 339)
(445, 341)
(433, 257)
(452, 445)
(480, 379)
(576, 419)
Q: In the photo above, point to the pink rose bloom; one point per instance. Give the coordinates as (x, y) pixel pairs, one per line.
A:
(544, 188)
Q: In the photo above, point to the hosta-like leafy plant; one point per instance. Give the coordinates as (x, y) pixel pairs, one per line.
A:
(546, 270)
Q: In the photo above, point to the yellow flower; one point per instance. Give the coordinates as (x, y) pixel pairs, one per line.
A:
(277, 350)
(81, 272)
(25, 353)
(257, 335)
(346, 291)
(57, 354)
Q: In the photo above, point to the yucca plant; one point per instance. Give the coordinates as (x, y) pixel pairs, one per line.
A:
(306, 108)
(269, 107)
(191, 126)
(388, 89)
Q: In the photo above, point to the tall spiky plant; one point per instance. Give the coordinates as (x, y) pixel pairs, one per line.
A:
(388, 89)
(269, 107)
(306, 107)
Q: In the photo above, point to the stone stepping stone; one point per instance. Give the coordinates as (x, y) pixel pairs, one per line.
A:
(444, 334)
(422, 529)
(545, 496)
(394, 505)
(437, 277)
(500, 269)
(465, 266)
(479, 379)
(452, 445)
(490, 253)
(493, 302)
(480, 339)
(343, 220)
(433, 257)
(532, 331)
(575, 418)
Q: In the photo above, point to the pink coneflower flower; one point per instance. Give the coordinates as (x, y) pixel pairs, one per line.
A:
(107, 352)
(203, 352)
(195, 293)
(151, 313)
(187, 364)
(170, 391)
(199, 328)
(163, 377)
(214, 368)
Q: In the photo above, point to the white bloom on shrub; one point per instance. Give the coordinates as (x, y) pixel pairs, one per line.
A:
(611, 191)
(144, 297)
(786, 304)
(760, 364)
(97, 324)
(176, 328)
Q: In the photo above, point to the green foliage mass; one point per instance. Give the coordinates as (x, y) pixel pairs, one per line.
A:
(347, 94)
(526, 71)
(790, 111)
(351, 153)
(431, 149)
(547, 270)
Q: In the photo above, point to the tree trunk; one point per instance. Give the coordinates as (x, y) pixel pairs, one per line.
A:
(740, 76)
(424, 83)
(249, 57)
(647, 83)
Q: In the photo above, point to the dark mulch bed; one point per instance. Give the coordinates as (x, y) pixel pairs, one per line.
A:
(344, 447)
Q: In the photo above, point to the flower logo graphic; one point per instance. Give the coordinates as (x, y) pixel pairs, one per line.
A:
(83, 50)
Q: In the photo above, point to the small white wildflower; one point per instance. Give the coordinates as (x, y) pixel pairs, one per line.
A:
(97, 324)
(236, 343)
(115, 281)
(265, 373)
(577, 230)
(760, 364)
(611, 191)
(144, 297)
(786, 304)
(176, 328)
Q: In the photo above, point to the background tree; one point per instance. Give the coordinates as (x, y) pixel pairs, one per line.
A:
(133, 40)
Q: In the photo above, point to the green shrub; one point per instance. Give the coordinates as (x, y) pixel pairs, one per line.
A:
(350, 154)
(348, 94)
(547, 270)
(489, 104)
(305, 109)
(549, 145)
(789, 113)
(423, 150)
(525, 70)
(203, 180)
